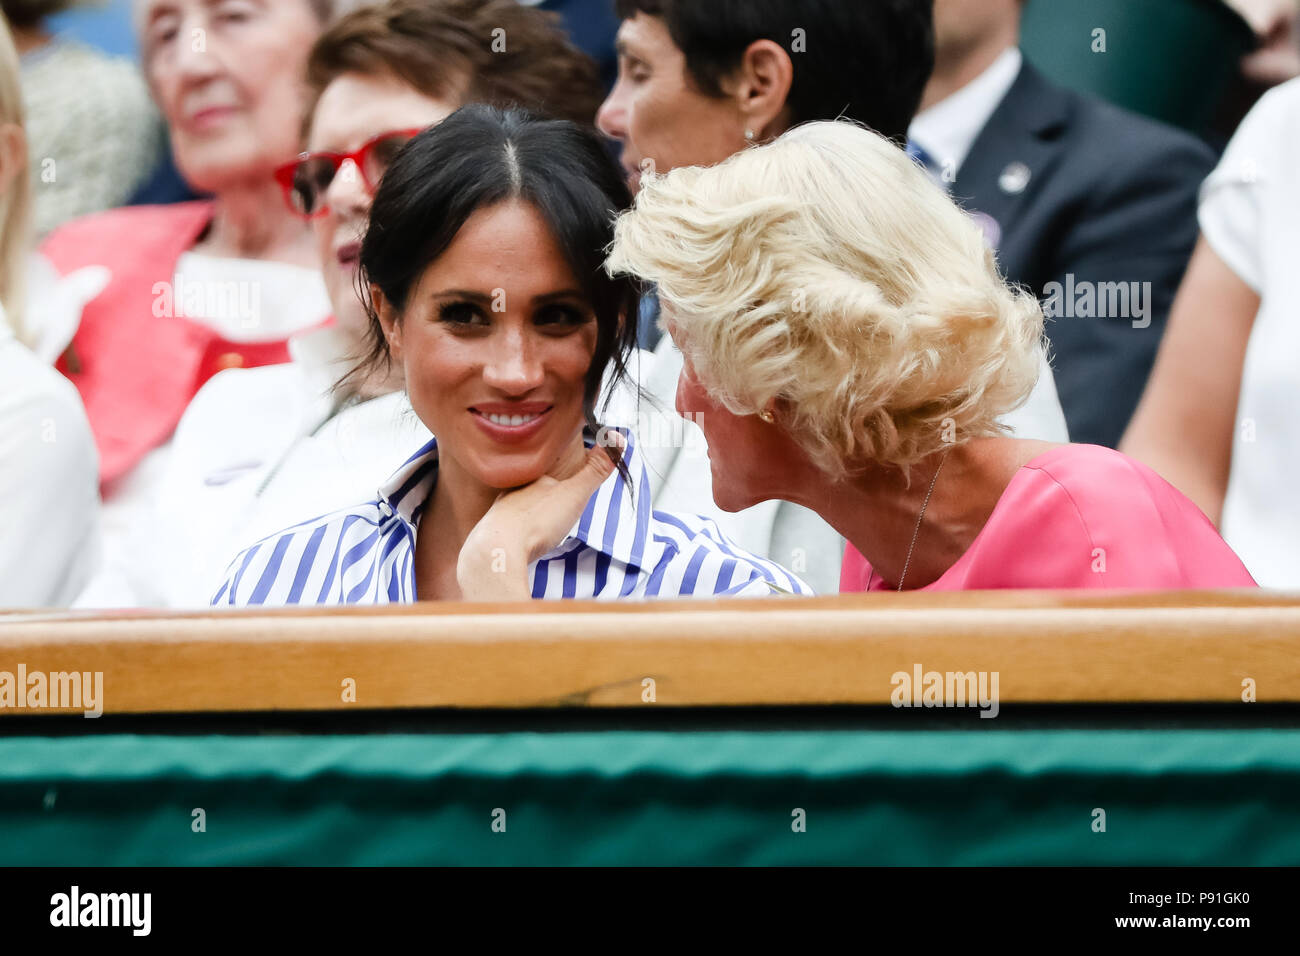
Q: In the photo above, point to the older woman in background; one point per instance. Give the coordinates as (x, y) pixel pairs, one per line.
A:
(850, 345)
(197, 287)
(48, 502)
(374, 78)
(201, 286)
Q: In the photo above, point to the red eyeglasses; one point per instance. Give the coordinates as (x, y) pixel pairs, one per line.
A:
(306, 179)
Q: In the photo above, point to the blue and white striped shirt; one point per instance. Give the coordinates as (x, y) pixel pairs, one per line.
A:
(619, 548)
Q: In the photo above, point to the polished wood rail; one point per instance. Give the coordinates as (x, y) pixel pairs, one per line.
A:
(1066, 647)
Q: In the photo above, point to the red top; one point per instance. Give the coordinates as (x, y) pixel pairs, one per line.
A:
(137, 370)
(1084, 516)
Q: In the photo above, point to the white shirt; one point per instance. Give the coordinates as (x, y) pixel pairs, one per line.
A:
(49, 476)
(245, 300)
(249, 300)
(259, 450)
(948, 129)
(1250, 215)
(621, 547)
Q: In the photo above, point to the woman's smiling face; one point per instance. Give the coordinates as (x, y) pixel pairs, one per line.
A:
(495, 342)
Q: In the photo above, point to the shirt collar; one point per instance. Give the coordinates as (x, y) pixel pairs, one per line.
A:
(947, 130)
(616, 521)
(323, 354)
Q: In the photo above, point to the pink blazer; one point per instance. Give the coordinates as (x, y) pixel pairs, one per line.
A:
(135, 371)
(1084, 516)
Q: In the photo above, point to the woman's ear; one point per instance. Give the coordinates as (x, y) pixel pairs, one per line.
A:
(390, 320)
(761, 87)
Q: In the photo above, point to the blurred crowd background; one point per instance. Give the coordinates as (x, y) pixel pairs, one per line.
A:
(1196, 64)
(1145, 142)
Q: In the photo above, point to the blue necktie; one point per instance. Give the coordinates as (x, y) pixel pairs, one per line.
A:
(926, 162)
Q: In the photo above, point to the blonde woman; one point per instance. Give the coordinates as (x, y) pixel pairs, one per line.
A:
(850, 346)
(48, 502)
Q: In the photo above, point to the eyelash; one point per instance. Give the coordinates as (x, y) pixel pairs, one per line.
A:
(163, 35)
(566, 315)
(635, 70)
(464, 314)
(460, 313)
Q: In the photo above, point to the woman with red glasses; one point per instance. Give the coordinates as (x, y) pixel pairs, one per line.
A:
(196, 287)
(263, 448)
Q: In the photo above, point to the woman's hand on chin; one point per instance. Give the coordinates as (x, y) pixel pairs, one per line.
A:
(524, 524)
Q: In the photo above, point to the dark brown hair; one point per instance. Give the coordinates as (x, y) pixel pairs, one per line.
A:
(477, 158)
(497, 52)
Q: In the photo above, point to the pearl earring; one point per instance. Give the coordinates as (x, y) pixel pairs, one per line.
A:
(767, 416)
(749, 135)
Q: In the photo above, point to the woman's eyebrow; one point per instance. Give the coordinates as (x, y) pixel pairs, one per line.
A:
(554, 296)
(627, 51)
(475, 296)
(462, 294)
(156, 11)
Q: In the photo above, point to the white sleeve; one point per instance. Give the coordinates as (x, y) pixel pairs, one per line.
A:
(1235, 198)
(49, 486)
(1041, 416)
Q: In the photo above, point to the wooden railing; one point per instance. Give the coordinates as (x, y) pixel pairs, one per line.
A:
(1045, 647)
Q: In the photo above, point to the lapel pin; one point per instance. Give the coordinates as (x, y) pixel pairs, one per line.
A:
(990, 227)
(1014, 179)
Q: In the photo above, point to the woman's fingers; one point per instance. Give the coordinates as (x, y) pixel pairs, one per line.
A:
(536, 517)
(561, 504)
(598, 466)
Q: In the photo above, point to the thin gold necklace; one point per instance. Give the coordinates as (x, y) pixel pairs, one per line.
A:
(917, 531)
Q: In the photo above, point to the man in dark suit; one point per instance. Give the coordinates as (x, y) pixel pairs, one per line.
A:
(1091, 207)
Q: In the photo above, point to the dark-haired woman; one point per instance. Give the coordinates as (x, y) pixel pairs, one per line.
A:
(375, 78)
(483, 262)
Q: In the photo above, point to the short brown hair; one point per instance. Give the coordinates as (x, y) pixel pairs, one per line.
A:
(871, 63)
(497, 52)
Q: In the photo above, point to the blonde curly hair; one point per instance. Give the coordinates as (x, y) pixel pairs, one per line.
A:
(825, 269)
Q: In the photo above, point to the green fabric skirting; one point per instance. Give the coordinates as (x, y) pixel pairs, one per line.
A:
(1170, 797)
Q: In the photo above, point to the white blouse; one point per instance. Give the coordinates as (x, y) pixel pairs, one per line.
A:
(1250, 216)
(260, 449)
(245, 300)
(49, 477)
